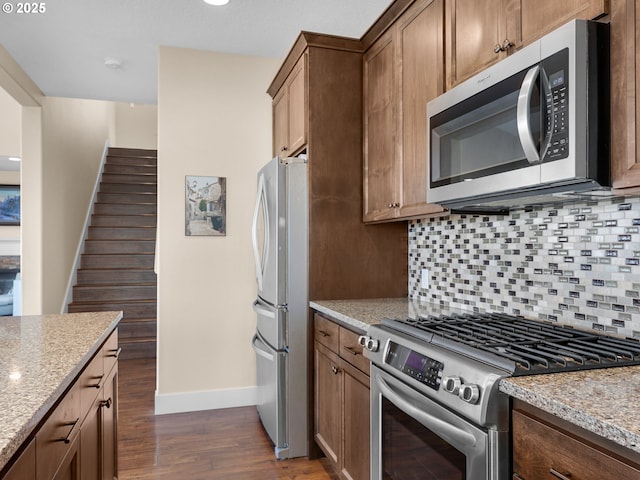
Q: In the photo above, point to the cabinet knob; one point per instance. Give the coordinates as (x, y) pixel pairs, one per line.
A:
(507, 44)
(335, 369)
(394, 205)
(106, 403)
(561, 476)
(497, 48)
(283, 149)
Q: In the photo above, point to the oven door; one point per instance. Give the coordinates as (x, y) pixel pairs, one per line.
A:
(413, 437)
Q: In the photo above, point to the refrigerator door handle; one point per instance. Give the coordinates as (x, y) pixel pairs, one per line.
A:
(260, 260)
(260, 310)
(261, 348)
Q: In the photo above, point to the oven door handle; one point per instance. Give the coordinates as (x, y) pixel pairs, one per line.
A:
(440, 427)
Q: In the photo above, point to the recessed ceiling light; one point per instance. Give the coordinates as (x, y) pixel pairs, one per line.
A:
(217, 3)
(14, 159)
(113, 63)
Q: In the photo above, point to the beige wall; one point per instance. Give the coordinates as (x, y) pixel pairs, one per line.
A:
(136, 126)
(74, 133)
(214, 119)
(10, 125)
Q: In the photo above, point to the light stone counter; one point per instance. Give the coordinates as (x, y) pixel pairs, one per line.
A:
(603, 401)
(40, 357)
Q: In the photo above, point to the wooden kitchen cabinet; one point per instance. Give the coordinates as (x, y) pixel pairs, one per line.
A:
(289, 113)
(24, 467)
(478, 34)
(342, 404)
(403, 70)
(548, 447)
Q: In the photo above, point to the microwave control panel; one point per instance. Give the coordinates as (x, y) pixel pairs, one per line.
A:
(557, 110)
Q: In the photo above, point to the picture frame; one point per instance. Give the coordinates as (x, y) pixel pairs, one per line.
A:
(205, 206)
(9, 204)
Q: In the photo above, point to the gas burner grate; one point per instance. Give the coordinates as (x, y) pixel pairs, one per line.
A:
(528, 346)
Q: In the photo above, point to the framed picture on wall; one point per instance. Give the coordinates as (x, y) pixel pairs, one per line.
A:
(9, 204)
(205, 206)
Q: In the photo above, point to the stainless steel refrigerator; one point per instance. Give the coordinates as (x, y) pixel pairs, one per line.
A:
(280, 248)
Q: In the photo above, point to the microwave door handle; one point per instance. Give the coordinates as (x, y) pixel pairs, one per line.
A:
(523, 121)
(549, 110)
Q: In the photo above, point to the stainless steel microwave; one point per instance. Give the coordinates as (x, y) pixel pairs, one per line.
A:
(533, 128)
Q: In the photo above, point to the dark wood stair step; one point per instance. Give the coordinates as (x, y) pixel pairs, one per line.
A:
(125, 160)
(122, 233)
(128, 198)
(137, 348)
(117, 209)
(129, 178)
(92, 246)
(106, 187)
(113, 293)
(130, 309)
(137, 328)
(117, 276)
(110, 168)
(117, 261)
(132, 152)
(123, 220)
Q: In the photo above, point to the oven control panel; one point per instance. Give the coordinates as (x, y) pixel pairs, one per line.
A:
(419, 367)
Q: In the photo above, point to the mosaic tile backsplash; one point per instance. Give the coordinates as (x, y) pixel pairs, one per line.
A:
(575, 264)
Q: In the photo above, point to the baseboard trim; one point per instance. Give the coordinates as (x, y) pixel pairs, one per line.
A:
(166, 403)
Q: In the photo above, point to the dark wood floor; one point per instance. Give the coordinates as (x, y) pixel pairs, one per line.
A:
(216, 444)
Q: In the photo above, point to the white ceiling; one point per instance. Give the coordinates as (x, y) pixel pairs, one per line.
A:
(63, 50)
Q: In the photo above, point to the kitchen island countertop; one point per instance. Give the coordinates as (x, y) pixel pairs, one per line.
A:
(40, 357)
(603, 401)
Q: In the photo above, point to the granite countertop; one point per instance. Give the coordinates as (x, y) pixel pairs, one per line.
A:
(603, 401)
(40, 357)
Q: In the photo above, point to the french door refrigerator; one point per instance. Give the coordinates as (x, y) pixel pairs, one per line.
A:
(280, 247)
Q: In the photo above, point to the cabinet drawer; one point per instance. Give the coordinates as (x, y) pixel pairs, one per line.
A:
(56, 436)
(110, 352)
(327, 333)
(541, 451)
(351, 350)
(90, 382)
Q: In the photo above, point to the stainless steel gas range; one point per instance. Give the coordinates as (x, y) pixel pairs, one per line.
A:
(436, 408)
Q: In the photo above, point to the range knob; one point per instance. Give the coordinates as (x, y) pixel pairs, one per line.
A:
(369, 343)
(451, 384)
(469, 393)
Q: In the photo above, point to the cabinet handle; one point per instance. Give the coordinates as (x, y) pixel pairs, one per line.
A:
(283, 149)
(506, 45)
(99, 379)
(394, 205)
(106, 403)
(324, 334)
(561, 476)
(352, 350)
(68, 424)
(115, 353)
(335, 369)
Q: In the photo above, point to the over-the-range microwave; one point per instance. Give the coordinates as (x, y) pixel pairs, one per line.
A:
(533, 128)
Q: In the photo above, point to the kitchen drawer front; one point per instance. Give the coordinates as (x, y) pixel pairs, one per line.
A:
(351, 350)
(90, 382)
(327, 333)
(110, 352)
(541, 451)
(56, 436)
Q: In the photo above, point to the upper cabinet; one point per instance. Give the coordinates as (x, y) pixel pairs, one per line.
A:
(403, 70)
(289, 113)
(478, 34)
(625, 92)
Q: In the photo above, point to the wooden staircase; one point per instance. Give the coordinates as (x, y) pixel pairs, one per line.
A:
(116, 266)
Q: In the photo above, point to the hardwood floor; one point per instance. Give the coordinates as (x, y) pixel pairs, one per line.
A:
(225, 444)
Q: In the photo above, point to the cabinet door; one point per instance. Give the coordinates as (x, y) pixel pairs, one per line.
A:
(473, 31)
(109, 417)
(24, 467)
(422, 58)
(281, 123)
(69, 468)
(542, 451)
(542, 16)
(91, 443)
(297, 107)
(328, 402)
(381, 144)
(356, 424)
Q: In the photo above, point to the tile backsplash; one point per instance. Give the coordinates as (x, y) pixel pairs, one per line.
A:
(575, 264)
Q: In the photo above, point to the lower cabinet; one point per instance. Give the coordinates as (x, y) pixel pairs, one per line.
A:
(548, 447)
(78, 439)
(342, 404)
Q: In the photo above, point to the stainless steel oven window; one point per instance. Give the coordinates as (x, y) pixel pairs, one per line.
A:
(463, 448)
